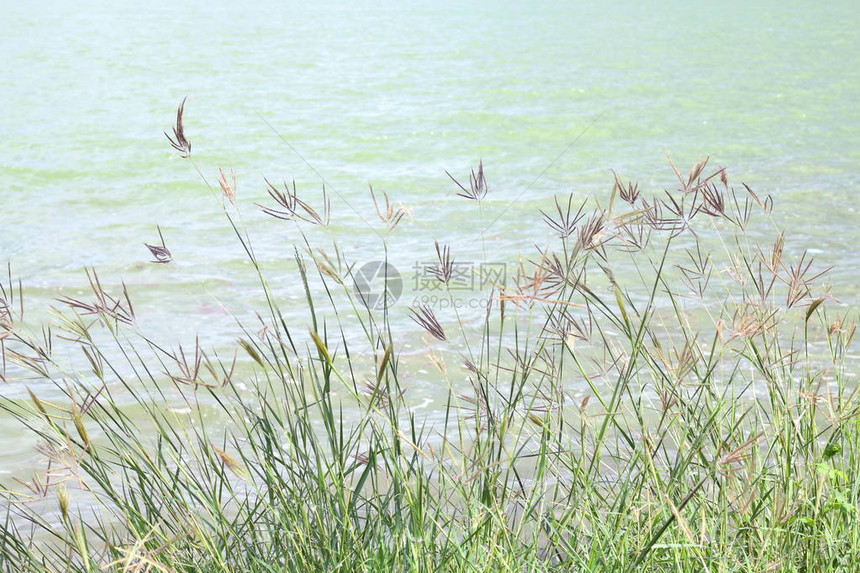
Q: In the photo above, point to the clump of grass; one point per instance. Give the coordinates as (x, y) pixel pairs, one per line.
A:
(637, 399)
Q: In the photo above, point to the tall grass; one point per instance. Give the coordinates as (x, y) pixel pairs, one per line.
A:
(658, 390)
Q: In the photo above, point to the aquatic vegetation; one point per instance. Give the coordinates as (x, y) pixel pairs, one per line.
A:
(698, 413)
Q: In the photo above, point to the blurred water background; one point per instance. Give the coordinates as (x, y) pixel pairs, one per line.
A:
(551, 95)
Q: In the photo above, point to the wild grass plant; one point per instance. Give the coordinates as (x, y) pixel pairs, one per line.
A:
(659, 389)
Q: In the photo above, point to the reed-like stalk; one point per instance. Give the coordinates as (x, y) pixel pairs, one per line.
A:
(656, 392)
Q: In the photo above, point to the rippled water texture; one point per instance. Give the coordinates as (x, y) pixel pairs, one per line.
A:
(393, 94)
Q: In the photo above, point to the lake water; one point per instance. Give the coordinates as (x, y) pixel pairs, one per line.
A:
(551, 96)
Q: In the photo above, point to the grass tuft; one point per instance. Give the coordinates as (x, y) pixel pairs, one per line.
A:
(654, 391)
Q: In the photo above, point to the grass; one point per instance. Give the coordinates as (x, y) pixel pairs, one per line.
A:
(656, 390)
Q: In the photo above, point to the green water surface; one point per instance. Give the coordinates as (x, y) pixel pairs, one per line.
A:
(551, 95)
